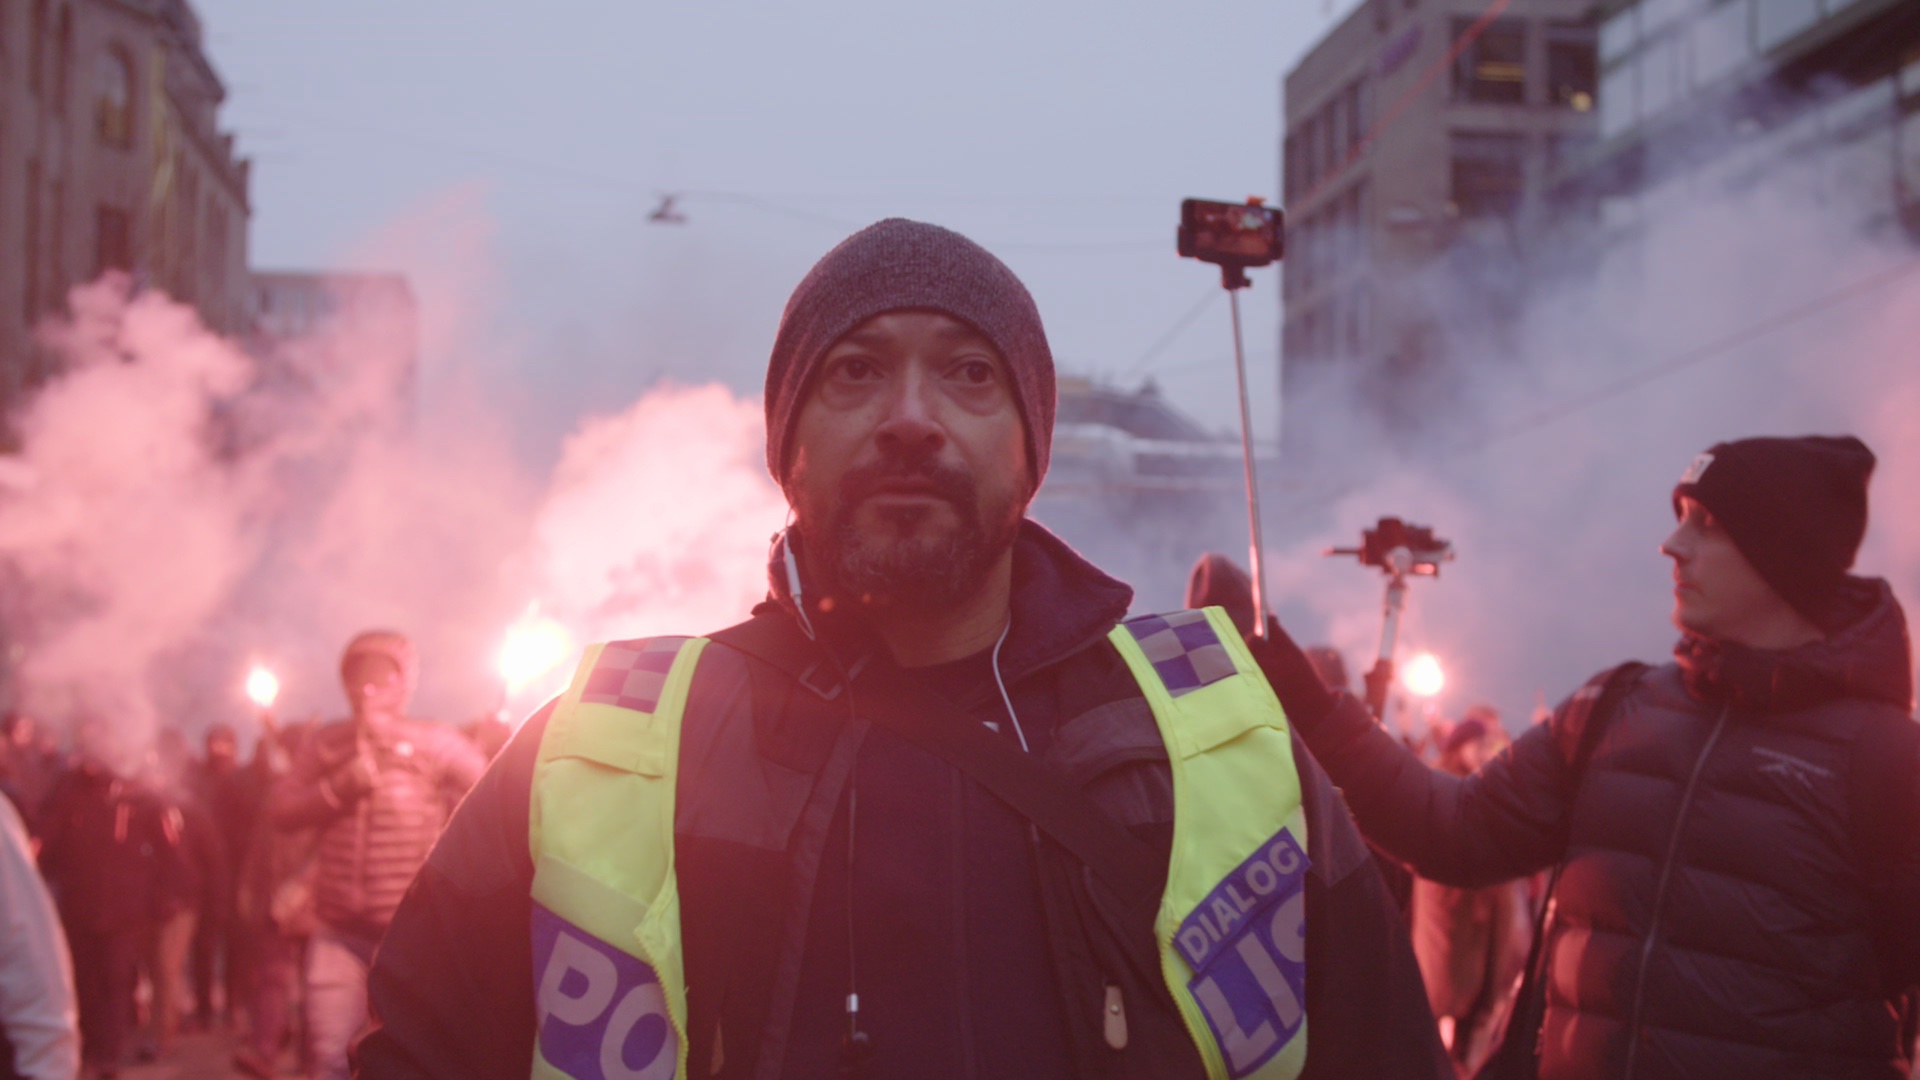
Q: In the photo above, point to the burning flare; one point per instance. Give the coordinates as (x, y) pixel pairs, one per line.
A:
(535, 645)
(1423, 676)
(263, 686)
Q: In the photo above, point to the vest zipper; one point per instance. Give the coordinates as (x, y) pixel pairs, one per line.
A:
(1660, 893)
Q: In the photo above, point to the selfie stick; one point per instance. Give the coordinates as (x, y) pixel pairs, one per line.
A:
(1235, 237)
(1255, 558)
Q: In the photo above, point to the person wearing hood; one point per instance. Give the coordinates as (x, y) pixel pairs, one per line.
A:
(376, 788)
(1738, 840)
(939, 809)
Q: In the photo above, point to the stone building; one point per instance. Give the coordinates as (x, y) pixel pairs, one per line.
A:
(111, 158)
(1396, 157)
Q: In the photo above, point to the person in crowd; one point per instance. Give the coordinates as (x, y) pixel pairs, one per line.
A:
(111, 852)
(197, 891)
(232, 795)
(1217, 581)
(274, 911)
(39, 1022)
(28, 766)
(1471, 943)
(377, 789)
(938, 809)
(1737, 832)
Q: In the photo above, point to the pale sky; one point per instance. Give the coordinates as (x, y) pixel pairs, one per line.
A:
(1061, 136)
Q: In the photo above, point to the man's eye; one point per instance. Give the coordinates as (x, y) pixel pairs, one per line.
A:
(857, 368)
(975, 372)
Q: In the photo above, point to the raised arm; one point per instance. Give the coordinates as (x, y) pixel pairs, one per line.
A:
(1500, 823)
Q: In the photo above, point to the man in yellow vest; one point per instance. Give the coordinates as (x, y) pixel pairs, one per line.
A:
(938, 810)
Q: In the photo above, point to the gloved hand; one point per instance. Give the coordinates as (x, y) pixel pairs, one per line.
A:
(1292, 676)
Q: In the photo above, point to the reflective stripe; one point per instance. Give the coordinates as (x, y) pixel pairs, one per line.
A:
(1231, 926)
(609, 973)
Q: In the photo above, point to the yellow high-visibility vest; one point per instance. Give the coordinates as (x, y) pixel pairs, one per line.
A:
(610, 988)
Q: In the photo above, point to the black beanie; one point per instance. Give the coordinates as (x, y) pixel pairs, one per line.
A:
(1796, 508)
(895, 265)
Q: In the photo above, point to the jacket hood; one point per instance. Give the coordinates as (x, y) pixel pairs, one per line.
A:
(1868, 656)
(1061, 603)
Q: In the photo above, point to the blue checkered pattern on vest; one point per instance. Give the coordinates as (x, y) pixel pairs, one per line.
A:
(1183, 649)
(632, 674)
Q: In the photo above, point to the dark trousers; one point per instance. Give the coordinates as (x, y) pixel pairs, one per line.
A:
(219, 959)
(103, 975)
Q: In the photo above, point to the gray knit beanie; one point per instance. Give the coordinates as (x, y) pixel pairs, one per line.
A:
(898, 264)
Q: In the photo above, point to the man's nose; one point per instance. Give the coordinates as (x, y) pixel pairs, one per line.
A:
(910, 429)
(1675, 547)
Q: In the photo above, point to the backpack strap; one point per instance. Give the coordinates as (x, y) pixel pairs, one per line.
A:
(885, 697)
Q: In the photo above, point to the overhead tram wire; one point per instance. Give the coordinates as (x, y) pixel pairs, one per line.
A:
(1673, 365)
(764, 203)
(1166, 340)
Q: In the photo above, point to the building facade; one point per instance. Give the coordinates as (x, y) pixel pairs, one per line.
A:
(1396, 156)
(111, 158)
(1726, 91)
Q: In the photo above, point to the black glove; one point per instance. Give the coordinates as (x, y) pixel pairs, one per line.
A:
(1292, 676)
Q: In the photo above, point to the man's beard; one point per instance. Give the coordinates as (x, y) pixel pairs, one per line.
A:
(910, 572)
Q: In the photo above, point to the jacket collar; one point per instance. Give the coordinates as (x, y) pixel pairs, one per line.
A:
(1061, 604)
(1866, 656)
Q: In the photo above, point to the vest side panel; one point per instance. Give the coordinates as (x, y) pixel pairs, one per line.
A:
(1231, 925)
(610, 985)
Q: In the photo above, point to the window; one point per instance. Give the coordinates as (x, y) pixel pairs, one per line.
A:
(1572, 72)
(113, 107)
(1290, 167)
(1619, 34)
(37, 50)
(1721, 42)
(113, 240)
(1356, 118)
(1493, 68)
(1661, 84)
(1777, 20)
(58, 248)
(31, 295)
(63, 60)
(1489, 173)
(1619, 99)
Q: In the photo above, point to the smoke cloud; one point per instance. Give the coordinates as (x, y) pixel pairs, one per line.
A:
(1765, 303)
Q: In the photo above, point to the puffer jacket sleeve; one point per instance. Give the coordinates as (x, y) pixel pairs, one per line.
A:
(1500, 823)
(1367, 1011)
(451, 990)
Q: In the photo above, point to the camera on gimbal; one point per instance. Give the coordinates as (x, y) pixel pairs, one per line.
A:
(1399, 548)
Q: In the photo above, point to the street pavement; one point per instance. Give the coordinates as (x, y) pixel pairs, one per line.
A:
(194, 1057)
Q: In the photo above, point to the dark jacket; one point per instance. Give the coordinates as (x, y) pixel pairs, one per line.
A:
(980, 951)
(1713, 916)
(110, 850)
(371, 845)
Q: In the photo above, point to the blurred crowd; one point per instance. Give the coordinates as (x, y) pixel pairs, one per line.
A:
(191, 889)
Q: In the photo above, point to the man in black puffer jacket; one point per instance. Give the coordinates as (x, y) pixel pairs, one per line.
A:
(1741, 854)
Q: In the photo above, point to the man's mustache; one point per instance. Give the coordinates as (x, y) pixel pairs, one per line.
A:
(941, 481)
